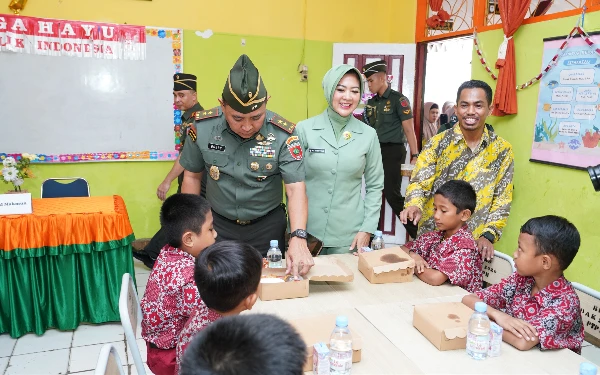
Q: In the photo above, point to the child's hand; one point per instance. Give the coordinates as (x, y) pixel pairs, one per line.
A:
(517, 327)
(420, 263)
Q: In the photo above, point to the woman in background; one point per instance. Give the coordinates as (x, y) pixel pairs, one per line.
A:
(339, 150)
(431, 125)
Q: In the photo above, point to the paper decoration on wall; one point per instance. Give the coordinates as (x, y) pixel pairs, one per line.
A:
(71, 38)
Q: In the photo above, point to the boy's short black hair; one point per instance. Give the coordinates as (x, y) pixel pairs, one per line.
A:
(554, 235)
(226, 273)
(249, 344)
(459, 193)
(182, 213)
(476, 84)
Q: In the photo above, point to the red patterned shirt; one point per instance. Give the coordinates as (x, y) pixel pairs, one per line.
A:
(554, 311)
(171, 296)
(200, 319)
(456, 257)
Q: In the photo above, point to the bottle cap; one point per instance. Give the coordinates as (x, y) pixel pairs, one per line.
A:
(587, 369)
(341, 321)
(480, 307)
(378, 233)
(274, 243)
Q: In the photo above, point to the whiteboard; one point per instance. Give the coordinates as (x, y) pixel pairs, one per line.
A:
(72, 109)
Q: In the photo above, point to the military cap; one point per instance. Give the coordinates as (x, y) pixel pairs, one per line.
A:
(374, 67)
(244, 90)
(182, 81)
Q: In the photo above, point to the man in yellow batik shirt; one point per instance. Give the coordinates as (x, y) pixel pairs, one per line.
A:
(470, 152)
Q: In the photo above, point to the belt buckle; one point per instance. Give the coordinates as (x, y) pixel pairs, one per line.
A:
(242, 222)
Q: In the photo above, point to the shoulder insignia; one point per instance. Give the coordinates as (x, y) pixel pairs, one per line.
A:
(404, 102)
(207, 113)
(406, 112)
(282, 123)
(192, 133)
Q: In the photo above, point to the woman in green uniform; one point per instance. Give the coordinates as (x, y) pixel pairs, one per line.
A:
(339, 151)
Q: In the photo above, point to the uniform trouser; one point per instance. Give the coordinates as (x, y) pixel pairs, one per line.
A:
(393, 156)
(272, 226)
(159, 240)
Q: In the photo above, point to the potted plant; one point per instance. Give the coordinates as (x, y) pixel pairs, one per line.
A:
(16, 171)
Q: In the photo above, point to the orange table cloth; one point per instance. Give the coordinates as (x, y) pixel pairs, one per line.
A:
(63, 264)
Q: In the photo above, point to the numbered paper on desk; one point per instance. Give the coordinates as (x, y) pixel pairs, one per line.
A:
(15, 204)
(567, 125)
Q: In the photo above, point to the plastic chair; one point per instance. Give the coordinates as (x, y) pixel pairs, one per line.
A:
(109, 362)
(590, 301)
(500, 267)
(131, 315)
(78, 187)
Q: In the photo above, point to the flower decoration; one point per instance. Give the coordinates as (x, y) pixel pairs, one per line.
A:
(15, 171)
(161, 33)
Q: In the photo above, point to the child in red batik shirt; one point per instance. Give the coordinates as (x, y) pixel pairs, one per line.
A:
(171, 292)
(536, 305)
(450, 253)
(227, 275)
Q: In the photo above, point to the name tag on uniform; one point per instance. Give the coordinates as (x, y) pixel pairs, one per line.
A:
(317, 150)
(214, 146)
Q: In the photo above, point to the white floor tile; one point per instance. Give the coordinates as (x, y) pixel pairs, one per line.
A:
(92, 372)
(591, 354)
(134, 370)
(139, 267)
(52, 339)
(3, 364)
(142, 348)
(7, 344)
(85, 358)
(89, 334)
(140, 291)
(141, 278)
(53, 362)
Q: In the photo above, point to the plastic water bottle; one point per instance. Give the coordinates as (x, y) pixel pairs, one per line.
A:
(587, 369)
(340, 346)
(378, 242)
(478, 335)
(274, 255)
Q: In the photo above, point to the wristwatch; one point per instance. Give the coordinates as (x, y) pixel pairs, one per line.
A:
(488, 236)
(414, 155)
(300, 233)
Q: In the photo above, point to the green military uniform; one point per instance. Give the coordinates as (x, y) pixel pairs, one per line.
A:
(385, 113)
(245, 175)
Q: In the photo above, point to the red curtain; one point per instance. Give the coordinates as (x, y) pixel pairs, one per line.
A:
(512, 13)
(435, 5)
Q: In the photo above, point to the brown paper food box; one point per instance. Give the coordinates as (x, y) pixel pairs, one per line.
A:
(318, 329)
(326, 268)
(444, 324)
(391, 265)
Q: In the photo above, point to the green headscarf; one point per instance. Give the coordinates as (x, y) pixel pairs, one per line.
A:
(330, 82)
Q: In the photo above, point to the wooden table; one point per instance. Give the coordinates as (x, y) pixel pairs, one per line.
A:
(382, 316)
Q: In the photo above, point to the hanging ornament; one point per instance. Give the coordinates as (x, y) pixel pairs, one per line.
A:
(17, 5)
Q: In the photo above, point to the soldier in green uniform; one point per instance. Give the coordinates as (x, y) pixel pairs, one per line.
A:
(389, 112)
(248, 151)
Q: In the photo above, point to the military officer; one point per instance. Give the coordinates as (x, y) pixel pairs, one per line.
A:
(389, 112)
(247, 151)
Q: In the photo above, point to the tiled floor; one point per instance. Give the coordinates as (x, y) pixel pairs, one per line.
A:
(76, 352)
(70, 352)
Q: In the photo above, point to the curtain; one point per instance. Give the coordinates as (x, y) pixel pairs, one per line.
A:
(512, 13)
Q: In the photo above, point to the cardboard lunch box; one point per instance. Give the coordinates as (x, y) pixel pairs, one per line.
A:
(391, 265)
(318, 329)
(443, 324)
(326, 268)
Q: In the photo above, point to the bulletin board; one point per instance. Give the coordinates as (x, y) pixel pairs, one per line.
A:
(567, 125)
(69, 108)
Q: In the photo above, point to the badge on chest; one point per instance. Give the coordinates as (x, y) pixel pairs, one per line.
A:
(216, 147)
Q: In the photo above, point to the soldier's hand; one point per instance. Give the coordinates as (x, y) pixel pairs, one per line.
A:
(298, 257)
(162, 190)
(413, 161)
(411, 213)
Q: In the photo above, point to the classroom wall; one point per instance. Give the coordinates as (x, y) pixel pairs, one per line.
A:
(543, 189)
(272, 32)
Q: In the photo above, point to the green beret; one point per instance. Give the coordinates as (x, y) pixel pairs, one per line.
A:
(244, 90)
(374, 67)
(182, 81)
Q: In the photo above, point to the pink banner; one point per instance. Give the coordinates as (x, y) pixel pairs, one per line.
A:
(71, 38)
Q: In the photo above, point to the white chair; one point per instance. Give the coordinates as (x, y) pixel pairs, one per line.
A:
(131, 314)
(498, 268)
(590, 312)
(109, 362)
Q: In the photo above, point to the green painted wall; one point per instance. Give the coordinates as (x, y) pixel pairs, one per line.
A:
(210, 59)
(543, 189)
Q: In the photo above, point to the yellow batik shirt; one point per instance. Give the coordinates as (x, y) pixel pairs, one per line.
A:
(489, 169)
